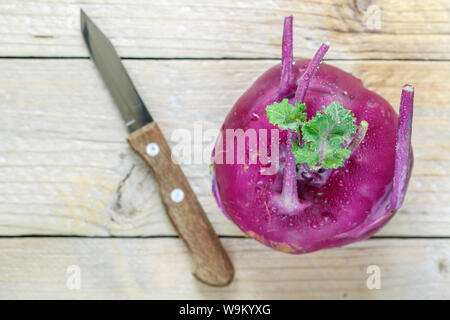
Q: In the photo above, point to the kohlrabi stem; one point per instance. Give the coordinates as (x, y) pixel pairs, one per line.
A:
(288, 201)
(309, 72)
(359, 136)
(287, 58)
(289, 194)
(403, 152)
(289, 191)
(306, 77)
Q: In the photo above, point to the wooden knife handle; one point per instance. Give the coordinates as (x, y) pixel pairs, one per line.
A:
(211, 263)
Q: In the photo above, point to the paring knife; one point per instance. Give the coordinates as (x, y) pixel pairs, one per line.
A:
(211, 263)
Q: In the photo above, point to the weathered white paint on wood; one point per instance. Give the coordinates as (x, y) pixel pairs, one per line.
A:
(65, 167)
(236, 28)
(159, 268)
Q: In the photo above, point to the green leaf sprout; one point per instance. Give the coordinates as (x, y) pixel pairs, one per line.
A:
(324, 138)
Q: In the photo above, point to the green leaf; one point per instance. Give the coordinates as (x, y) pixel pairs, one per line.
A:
(285, 115)
(305, 154)
(323, 137)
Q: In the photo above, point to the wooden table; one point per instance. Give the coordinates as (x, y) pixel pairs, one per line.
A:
(73, 195)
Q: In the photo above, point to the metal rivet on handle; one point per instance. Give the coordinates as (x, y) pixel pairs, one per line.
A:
(152, 149)
(177, 195)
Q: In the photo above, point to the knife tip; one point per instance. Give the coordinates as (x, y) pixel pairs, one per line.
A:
(83, 17)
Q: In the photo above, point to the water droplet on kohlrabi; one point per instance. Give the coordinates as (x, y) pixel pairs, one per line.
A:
(314, 224)
(328, 217)
(254, 117)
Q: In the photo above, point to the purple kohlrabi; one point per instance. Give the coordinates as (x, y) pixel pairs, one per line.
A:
(300, 208)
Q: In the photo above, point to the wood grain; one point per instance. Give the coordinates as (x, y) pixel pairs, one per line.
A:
(357, 29)
(211, 263)
(66, 169)
(159, 269)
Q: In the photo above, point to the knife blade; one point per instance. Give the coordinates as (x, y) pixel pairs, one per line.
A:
(211, 263)
(115, 75)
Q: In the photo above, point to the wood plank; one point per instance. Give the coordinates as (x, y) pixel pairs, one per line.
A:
(370, 29)
(159, 269)
(65, 168)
